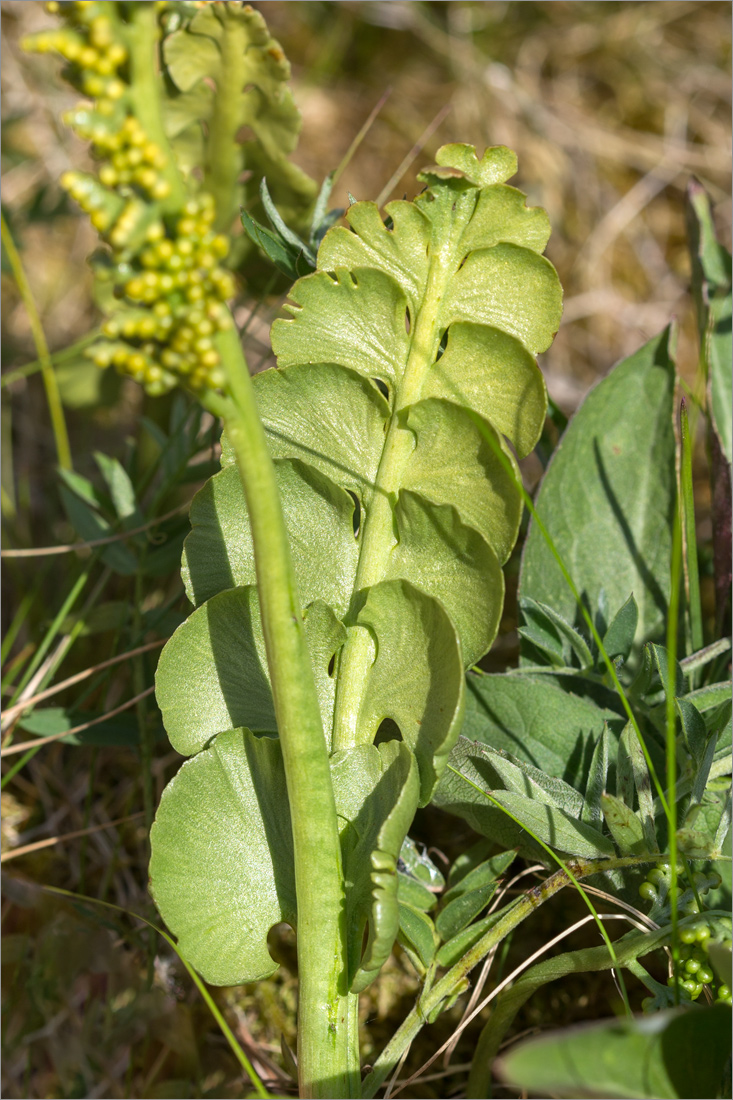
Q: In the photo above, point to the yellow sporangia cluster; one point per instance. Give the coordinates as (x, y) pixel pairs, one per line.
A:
(162, 254)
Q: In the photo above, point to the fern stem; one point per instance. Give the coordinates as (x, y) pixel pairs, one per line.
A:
(223, 156)
(377, 540)
(143, 34)
(328, 1062)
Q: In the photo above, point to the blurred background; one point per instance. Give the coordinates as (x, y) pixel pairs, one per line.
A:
(612, 108)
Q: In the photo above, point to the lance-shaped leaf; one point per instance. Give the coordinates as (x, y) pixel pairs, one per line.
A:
(230, 73)
(608, 495)
(477, 773)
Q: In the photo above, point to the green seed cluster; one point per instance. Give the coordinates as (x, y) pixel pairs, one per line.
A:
(694, 972)
(164, 259)
(178, 278)
(94, 51)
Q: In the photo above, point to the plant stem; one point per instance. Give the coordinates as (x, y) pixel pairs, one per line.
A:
(692, 576)
(142, 34)
(671, 732)
(223, 156)
(523, 907)
(55, 408)
(328, 1062)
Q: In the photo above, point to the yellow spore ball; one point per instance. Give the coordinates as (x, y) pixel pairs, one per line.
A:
(87, 58)
(117, 54)
(161, 190)
(220, 246)
(100, 220)
(108, 175)
(114, 89)
(216, 379)
(155, 231)
(100, 31)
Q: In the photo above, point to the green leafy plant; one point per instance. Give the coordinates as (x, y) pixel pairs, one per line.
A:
(362, 412)
(345, 569)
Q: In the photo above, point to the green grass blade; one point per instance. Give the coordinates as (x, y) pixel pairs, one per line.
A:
(692, 575)
(55, 408)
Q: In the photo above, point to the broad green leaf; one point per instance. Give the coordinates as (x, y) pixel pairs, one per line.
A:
(221, 871)
(120, 729)
(222, 648)
(413, 893)
(539, 721)
(454, 949)
(494, 374)
(631, 754)
(416, 678)
(502, 769)
(121, 489)
(627, 949)
(276, 250)
(226, 684)
(706, 826)
(679, 1053)
(694, 729)
(319, 519)
(607, 497)
(720, 957)
(230, 73)
(474, 857)
(461, 791)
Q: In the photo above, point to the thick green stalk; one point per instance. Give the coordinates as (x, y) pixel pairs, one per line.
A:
(223, 155)
(328, 1061)
(524, 906)
(142, 34)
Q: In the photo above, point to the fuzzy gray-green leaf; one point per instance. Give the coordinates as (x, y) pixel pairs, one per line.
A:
(608, 495)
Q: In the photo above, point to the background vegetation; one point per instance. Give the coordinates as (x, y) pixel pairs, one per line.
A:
(611, 109)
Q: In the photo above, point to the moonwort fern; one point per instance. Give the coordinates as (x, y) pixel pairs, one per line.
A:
(412, 342)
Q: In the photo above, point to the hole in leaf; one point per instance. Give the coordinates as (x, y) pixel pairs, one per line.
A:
(332, 666)
(443, 344)
(408, 322)
(388, 731)
(282, 946)
(388, 224)
(357, 511)
(382, 387)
